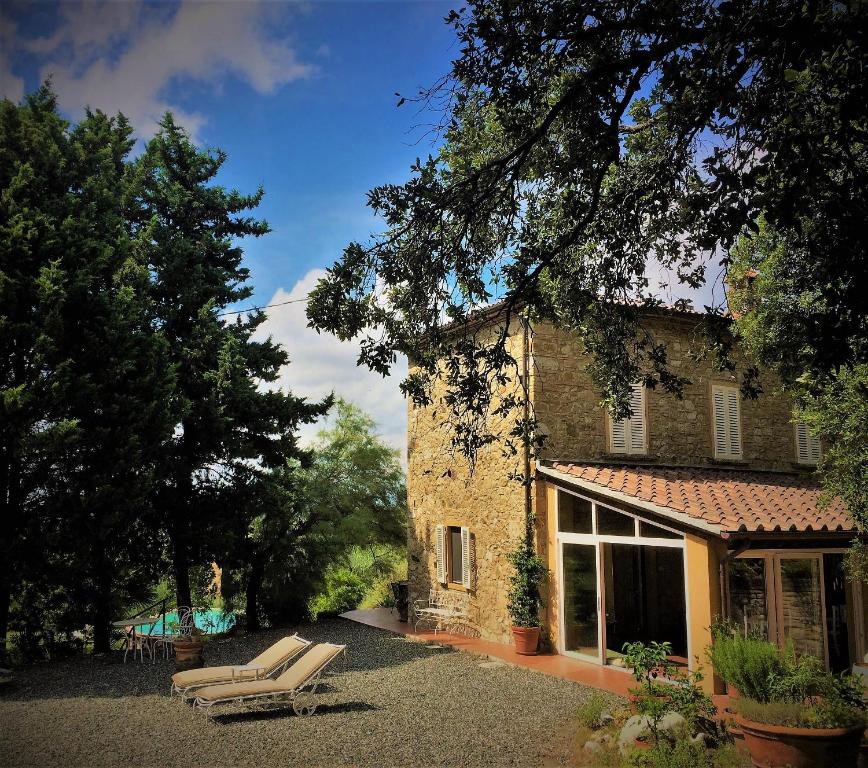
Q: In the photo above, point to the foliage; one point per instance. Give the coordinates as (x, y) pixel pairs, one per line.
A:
(782, 688)
(779, 308)
(678, 753)
(648, 661)
(349, 498)
(820, 714)
(748, 663)
(361, 575)
(592, 709)
(343, 590)
(686, 697)
(682, 691)
(523, 598)
(229, 430)
(589, 146)
(84, 379)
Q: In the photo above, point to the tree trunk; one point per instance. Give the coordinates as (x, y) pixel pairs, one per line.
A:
(182, 577)
(5, 596)
(254, 584)
(102, 599)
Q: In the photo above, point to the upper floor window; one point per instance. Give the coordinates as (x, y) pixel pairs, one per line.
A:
(807, 446)
(726, 422)
(631, 435)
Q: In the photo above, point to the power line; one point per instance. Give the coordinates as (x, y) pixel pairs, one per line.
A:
(257, 309)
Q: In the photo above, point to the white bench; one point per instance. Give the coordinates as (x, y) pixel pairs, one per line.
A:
(446, 611)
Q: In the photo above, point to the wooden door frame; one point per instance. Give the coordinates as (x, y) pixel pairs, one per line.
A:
(768, 555)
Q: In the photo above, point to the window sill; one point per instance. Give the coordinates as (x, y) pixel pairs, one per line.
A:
(728, 462)
(643, 458)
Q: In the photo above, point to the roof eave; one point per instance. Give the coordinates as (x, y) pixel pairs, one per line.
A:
(673, 515)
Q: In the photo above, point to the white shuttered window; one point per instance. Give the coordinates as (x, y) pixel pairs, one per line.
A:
(631, 435)
(727, 422)
(440, 553)
(807, 446)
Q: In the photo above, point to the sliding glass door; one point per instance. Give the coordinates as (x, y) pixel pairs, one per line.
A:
(581, 626)
(621, 579)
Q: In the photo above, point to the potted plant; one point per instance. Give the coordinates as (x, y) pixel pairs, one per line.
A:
(524, 599)
(793, 712)
(188, 649)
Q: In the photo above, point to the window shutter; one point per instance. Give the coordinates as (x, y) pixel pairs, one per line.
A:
(466, 564)
(719, 423)
(808, 447)
(637, 420)
(628, 435)
(440, 553)
(619, 436)
(727, 424)
(734, 423)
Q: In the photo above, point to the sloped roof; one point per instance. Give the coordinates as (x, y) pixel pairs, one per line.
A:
(725, 500)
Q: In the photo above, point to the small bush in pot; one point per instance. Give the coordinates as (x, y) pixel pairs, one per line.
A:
(524, 600)
(803, 717)
(745, 663)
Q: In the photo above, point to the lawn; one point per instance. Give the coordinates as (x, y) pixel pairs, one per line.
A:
(397, 703)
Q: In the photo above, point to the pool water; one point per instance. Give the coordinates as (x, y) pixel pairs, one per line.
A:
(210, 622)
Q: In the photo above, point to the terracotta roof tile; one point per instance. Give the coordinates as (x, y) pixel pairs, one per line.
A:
(735, 500)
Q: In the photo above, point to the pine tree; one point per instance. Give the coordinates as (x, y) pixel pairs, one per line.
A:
(34, 203)
(226, 424)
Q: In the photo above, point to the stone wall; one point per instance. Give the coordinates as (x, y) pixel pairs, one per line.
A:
(566, 403)
(442, 491)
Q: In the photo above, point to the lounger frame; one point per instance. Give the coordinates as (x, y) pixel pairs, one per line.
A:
(185, 692)
(302, 700)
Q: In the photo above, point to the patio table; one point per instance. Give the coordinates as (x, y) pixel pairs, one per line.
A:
(129, 627)
(443, 618)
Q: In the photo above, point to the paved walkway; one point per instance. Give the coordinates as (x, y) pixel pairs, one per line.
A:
(609, 679)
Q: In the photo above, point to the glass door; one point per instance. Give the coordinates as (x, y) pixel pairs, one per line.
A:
(800, 606)
(580, 609)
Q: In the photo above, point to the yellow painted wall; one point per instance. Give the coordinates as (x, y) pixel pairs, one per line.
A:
(702, 565)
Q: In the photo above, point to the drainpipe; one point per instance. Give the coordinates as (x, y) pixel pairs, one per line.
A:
(528, 501)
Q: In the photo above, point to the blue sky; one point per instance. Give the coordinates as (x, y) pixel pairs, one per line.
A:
(300, 96)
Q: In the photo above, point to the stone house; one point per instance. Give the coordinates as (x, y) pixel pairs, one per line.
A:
(651, 527)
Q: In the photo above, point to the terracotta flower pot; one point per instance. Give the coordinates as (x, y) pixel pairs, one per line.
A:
(738, 741)
(188, 653)
(526, 640)
(779, 746)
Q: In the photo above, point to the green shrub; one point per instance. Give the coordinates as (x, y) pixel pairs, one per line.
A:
(821, 714)
(678, 754)
(749, 663)
(591, 711)
(343, 591)
(523, 599)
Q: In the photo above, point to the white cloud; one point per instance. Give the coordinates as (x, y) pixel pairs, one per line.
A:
(321, 364)
(124, 56)
(11, 86)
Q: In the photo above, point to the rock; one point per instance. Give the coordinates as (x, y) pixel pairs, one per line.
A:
(638, 725)
(604, 719)
(599, 742)
(635, 727)
(700, 738)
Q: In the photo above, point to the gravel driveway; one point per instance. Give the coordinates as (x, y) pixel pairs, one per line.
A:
(398, 703)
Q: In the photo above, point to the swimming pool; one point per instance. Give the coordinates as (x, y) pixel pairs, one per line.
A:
(209, 621)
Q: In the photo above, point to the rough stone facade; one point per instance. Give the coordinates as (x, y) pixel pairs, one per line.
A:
(679, 431)
(441, 490)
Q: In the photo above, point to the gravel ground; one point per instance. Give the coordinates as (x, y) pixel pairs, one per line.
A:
(397, 703)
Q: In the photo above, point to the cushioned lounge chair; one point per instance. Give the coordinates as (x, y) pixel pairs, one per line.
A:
(296, 685)
(270, 662)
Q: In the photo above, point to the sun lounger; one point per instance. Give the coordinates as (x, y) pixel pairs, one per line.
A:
(289, 687)
(271, 661)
